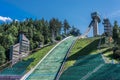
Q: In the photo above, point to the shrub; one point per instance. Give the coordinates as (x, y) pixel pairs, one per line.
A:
(116, 52)
(58, 38)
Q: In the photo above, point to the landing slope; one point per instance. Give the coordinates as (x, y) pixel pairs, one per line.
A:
(50, 65)
(82, 47)
(86, 63)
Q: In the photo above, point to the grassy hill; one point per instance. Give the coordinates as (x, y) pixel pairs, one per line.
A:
(82, 47)
(85, 63)
(37, 56)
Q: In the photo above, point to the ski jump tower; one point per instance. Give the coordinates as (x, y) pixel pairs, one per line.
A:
(94, 23)
(95, 20)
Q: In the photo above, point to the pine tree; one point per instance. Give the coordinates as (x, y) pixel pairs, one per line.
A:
(66, 26)
(2, 55)
(115, 32)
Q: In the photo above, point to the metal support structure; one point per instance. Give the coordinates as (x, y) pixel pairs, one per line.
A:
(107, 27)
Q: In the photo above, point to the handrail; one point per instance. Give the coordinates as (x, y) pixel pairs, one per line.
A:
(87, 31)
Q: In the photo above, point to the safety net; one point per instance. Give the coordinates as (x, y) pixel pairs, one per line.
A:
(92, 67)
(17, 69)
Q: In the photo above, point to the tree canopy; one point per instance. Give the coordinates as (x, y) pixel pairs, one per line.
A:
(37, 31)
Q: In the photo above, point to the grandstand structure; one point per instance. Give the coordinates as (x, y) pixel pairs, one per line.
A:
(18, 66)
(19, 50)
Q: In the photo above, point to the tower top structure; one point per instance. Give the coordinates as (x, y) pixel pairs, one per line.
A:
(95, 16)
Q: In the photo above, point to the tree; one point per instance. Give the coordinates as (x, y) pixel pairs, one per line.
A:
(13, 31)
(115, 31)
(74, 31)
(30, 33)
(55, 27)
(37, 31)
(2, 55)
(38, 39)
(46, 32)
(52, 27)
(7, 41)
(58, 27)
(66, 26)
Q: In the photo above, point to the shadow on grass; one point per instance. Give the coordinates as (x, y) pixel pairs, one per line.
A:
(84, 60)
(111, 56)
(85, 51)
(75, 72)
(108, 50)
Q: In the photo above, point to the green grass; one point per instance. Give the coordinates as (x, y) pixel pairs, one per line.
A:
(107, 51)
(108, 54)
(82, 47)
(37, 56)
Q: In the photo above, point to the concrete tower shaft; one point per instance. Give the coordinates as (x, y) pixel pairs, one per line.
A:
(96, 20)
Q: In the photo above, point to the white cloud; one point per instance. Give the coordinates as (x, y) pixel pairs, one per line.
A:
(114, 14)
(16, 20)
(4, 19)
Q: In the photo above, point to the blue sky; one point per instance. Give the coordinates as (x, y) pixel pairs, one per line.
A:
(77, 12)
